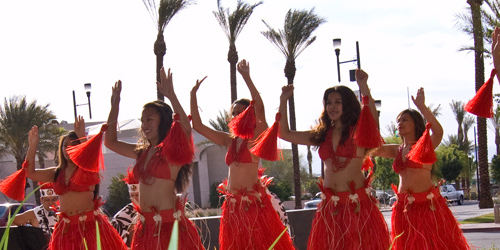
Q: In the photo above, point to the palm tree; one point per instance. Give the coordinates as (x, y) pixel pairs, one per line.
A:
(392, 128)
(458, 110)
(233, 24)
(17, 116)
(435, 111)
(291, 41)
(166, 11)
(220, 124)
(485, 200)
(309, 160)
(467, 123)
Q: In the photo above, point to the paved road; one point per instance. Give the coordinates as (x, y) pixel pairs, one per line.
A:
(484, 240)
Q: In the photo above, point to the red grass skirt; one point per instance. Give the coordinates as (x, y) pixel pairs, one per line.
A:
(249, 221)
(149, 235)
(71, 231)
(425, 222)
(348, 220)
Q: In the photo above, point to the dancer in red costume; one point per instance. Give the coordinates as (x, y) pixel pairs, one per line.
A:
(248, 219)
(164, 156)
(347, 217)
(420, 218)
(77, 186)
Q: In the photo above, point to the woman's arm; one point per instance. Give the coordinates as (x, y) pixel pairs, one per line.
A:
(166, 88)
(27, 217)
(437, 129)
(296, 137)
(218, 137)
(40, 175)
(260, 115)
(110, 136)
(362, 80)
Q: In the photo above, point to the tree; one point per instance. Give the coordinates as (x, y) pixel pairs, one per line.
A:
(291, 41)
(118, 195)
(495, 169)
(17, 116)
(233, 24)
(392, 129)
(166, 11)
(485, 199)
(452, 162)
(458, 110)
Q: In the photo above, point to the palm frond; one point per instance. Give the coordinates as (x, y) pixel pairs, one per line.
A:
(233, 23)
(168, 9)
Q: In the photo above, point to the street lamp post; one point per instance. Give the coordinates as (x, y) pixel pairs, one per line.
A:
(87, 87)
(336, 46)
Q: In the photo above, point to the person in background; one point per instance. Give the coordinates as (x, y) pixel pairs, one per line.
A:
(124, 220)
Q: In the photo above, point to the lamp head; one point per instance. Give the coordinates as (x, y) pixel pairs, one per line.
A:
(87, 87)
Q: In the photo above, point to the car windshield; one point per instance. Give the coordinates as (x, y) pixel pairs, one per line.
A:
(3, 210)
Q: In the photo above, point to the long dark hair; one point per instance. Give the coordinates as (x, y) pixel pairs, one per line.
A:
(165, 112)
(418, 121)
(351, 108)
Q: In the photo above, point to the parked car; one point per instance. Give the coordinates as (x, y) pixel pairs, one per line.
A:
(313, 203)
(383, 196)
(6, 207)
(452, 195)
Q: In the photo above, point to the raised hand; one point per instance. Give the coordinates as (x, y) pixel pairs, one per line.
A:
(115, 93)
(79, 126)
(244, 68)
(166, 86)
(33, 137)
(361, 76)
(286, 92)
(197, 85)
(419, 100)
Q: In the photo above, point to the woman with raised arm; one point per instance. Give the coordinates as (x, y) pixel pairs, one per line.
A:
(347, 217)
(420, 217)
(248, 220)
(77, 186)
(164, 155)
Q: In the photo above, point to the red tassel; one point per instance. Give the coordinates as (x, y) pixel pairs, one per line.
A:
(14, 186)
(367, 134)
(86, 178)
(266, 145)
(367, 164)
(176, 148)
(482, 103)
(423, 151)
(243, 125)
(260, 172)
(394, 188)
(88, 155)
(369, 178)
(130, 178)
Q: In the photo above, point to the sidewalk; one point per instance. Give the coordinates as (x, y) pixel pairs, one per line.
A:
(480, 227)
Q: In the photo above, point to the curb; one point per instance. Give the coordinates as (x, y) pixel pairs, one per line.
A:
(478, 229)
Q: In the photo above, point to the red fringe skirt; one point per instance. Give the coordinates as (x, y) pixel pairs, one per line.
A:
(249, 221)
(74, 232)
(348, 220)
(153, 230)
(424, 221)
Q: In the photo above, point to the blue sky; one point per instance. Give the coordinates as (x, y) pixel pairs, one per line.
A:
(50, 48)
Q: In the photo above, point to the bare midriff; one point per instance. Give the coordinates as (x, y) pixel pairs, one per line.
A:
(73, 203)
(242, 176)
(339, 180)
(160, 194)
(415, 179)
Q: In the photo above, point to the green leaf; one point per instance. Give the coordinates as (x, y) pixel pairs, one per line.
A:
(279, 237)
(175, 237)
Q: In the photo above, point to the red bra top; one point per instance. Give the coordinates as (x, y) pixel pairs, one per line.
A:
(80, 181)
(243, 155)
(157, 167)
(346, 150)
(398, 165)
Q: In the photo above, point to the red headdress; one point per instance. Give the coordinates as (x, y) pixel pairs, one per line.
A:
(265, 145)
(46, 189)
(423, 151)
(482, 103)
(367, 134)
(14, 186)
(243, 125)
(177, 148)
(88, 155)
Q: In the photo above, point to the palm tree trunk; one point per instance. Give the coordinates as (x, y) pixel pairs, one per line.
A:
(232, 58)
(309, 160)
(290, 75)
(160, 49)
(497, 140)
(485, 200)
